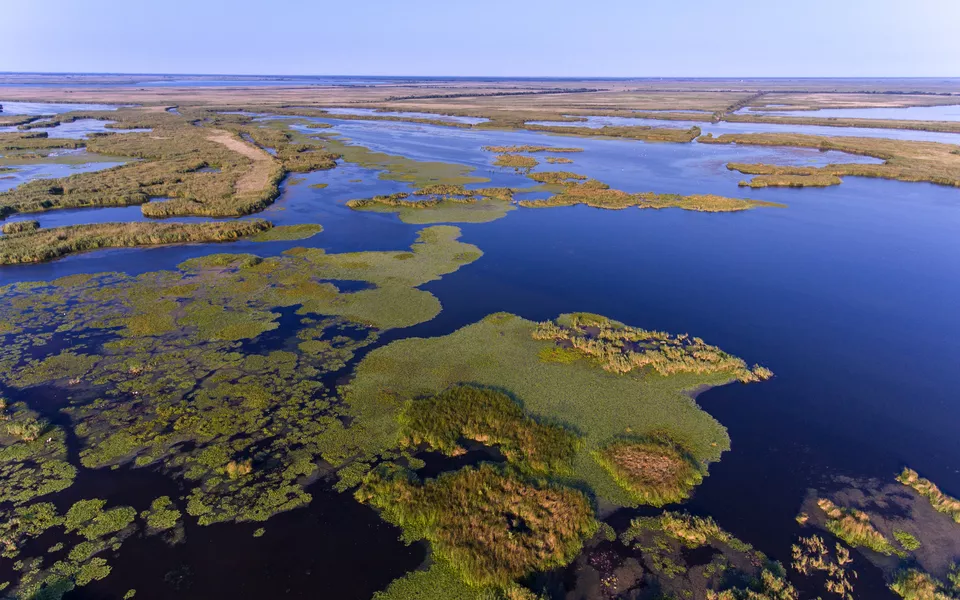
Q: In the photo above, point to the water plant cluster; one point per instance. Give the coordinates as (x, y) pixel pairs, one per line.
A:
(171, 371)
(618, 348)
(38, 245)
(735, 570)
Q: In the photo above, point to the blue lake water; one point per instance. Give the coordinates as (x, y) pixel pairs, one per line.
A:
(734, 127)
(25, 173)
(949, 112)
(48, 108)
(848, 294)
(407, 114)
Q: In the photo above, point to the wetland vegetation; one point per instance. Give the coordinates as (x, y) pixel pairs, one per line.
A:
(903, 160)
(246, 379)
(30, 245)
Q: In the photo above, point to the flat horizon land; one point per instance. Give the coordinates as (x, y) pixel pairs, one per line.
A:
(478, 338)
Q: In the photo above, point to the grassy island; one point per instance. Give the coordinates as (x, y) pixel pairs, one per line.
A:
(38, 245)
(576, 189)
(551, 384)
(903, 160)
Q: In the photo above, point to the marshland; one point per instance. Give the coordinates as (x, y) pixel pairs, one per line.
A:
(401, 339)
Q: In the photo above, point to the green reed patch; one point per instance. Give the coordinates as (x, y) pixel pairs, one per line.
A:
(929, 490)
(576, 189)
(736, 571)
(41, 245)
(854, 527)
(501, 351)
(492, 527)
(529, 148)
(620, 349)
(287, 233)
(489, 417)
(654, 472)
(20, 226)
(516, 161)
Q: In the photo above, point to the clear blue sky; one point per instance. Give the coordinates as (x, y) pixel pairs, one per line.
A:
(489, 37)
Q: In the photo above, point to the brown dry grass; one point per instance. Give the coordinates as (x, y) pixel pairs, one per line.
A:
(904, 160)
(263, 165)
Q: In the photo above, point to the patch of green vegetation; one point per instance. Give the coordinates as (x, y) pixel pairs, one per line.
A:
(654, 472)
(501, 351)
(691, 531)
(174, 369)
(489, 417)
(170, 158)
(100, 529)
(929, 490)
(492, 527)
(576, 189)
(259, 532)
(41, 245)
(617, 348)
(854, 527)
(527, 148)
(162, 515)
(318, 186)
(439, 582)
(914, 584)
(903, 160)
(784, 176)
(88, 518)
(442, 203)
(33, 457)
(516, 161)
(287, 233)
(907, 540)
(737, 572)
(633, 132)
(20, 226)
(558, 160)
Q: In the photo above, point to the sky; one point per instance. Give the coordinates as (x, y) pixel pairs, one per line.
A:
(558, 38)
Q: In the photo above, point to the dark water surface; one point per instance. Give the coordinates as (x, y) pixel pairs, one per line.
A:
(848, 294)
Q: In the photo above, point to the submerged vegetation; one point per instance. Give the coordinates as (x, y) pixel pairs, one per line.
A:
(735, 571)
(811, 556)
(39, 245)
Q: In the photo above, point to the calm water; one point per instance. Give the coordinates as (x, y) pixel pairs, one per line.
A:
(733, 127)
(25, 173)
(48, 108)
(410, 115)
(848, 295)
(911, 113)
